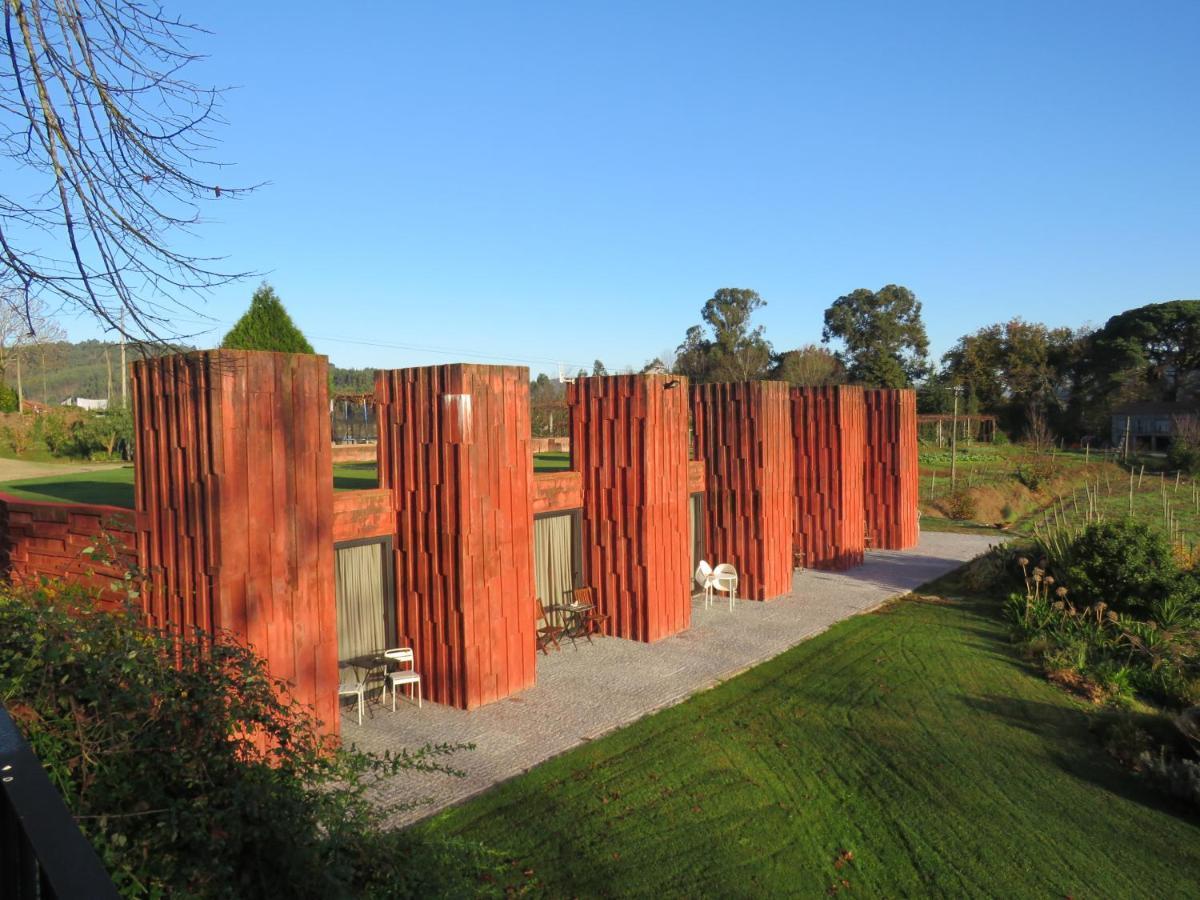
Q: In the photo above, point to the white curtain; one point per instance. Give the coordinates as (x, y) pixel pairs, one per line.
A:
(361, 611)
(553, 560)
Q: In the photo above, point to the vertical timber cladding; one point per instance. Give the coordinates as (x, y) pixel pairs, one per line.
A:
(629, 441)
(234, 504)
(454, 448)
(744, 436)
(892, 469)
(829, 427)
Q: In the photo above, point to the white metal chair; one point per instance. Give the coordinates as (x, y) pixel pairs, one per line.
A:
(725, 580)
(401, 655)
(356, 688)
(704, 578)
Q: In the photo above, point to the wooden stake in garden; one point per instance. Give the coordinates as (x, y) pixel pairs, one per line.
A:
(1140, 474)
(1131, 492)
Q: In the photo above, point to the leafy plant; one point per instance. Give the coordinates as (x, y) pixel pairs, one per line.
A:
(1126, 564)
(960, 505)
(194, 773)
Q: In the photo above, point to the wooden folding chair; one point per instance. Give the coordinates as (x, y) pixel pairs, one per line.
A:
(592, 620)
(547, 634)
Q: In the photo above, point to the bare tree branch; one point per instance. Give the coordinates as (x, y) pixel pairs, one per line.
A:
(110, 142)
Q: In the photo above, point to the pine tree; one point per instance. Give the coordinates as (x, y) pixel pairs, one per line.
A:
(266, 325)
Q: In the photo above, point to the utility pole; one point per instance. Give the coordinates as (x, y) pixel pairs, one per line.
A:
(954, 440)
(108, 367)
(124, 373)
(20, 390)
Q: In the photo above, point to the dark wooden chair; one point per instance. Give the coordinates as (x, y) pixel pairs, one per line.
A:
(591, 621)
(547, 634)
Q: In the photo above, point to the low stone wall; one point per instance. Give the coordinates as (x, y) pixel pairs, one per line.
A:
(49, 539)
(551, 445)
(352, 453)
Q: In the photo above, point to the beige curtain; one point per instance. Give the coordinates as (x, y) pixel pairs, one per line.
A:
(553, 560)
(361, 616)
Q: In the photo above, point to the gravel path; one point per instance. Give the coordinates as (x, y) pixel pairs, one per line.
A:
(584, 692)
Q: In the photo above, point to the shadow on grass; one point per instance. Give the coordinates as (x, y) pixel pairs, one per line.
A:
(1077, 750)
(355, 476)
(106, 493)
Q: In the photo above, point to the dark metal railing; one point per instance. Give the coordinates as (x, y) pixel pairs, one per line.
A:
(42, 851)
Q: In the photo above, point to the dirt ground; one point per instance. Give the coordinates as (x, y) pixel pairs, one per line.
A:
(14, 469)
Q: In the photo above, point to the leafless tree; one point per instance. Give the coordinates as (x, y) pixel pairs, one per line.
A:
(109, 142)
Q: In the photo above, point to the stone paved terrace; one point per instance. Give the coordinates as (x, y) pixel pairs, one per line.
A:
(584, 692)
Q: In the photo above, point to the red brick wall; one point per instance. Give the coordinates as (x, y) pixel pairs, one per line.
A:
(454, 449)
(744, 437)
(891, 469)
(629, 440)
(48, 539)
(829, 428)
(235, 506)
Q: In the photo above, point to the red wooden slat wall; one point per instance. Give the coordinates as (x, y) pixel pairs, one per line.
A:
(892, 469)
(454, 449)
(829, 427)
(629, 441)
(744, 438)
(235, 506)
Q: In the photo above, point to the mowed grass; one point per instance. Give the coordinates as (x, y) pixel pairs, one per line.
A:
(110, 487)
(114, 487)
(906, 753)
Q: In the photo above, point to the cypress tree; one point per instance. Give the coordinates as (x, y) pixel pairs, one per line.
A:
(266, 325)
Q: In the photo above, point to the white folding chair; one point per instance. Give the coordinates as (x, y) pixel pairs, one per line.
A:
(725, 580)
(402, 655)
(355, 688)
(704, 578)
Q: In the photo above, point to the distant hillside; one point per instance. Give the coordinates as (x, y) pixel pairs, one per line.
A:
(80, 370)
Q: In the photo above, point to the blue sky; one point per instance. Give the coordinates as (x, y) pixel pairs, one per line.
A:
(567, 181)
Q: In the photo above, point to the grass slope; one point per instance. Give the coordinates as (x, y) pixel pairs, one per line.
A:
(914, 739)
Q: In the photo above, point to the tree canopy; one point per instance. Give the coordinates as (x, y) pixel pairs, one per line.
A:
(735, 351)
(883, 337)
(808, 366)
(266, 325)
(1152, 351)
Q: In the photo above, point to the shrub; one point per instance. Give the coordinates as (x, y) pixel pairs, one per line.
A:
(1126, 564)
(1035, 470)
(960, 505)
(194, 774)
(9, 401)
(266, 325)
(18, 435)
(1184, 452)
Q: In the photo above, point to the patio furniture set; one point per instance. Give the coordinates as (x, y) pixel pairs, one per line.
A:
(579, 619)
(358, 673)
(722, 578)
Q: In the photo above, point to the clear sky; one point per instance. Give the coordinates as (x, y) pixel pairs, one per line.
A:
(567, 181)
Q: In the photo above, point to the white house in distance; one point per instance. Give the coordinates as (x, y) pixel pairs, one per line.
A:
(87, 403)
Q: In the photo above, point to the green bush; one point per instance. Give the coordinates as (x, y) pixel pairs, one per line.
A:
(1126, 564)
(1035, 470)
(195, 775)
(9, 401)
(960, 505)
(1184, 455)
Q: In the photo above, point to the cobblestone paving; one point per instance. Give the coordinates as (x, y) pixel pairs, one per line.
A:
(588, 690)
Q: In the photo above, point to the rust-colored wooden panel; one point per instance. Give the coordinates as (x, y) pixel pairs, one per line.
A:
(557, 492)
(829, 428)
(697, 480)
(892, 469)
(629, 441)
(358, 515)
(744, 437)
(234, 501)
(454, 449)
(53, 539)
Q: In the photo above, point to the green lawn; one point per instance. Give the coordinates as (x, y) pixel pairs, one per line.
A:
(914, 740)
(112, 487)
(551, 461)
(355, 476)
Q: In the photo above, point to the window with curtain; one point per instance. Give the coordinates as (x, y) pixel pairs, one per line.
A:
(363, 623)
(554, 559)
